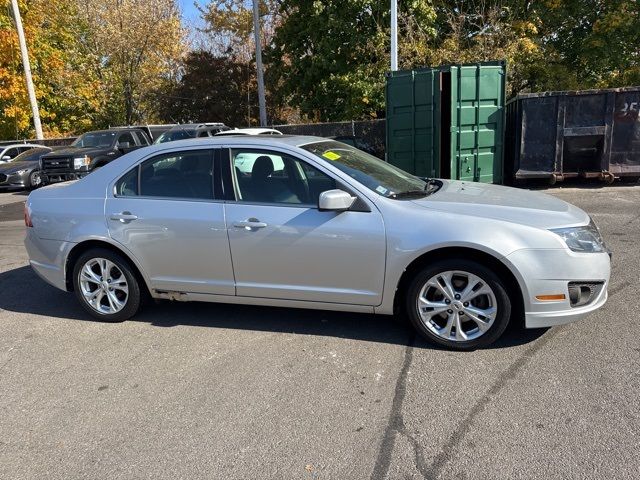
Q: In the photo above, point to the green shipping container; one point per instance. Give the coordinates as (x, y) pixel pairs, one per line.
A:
(447, 122)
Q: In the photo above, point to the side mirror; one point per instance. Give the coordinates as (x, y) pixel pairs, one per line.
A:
(123, 145)
(335, 200)
(6, 158)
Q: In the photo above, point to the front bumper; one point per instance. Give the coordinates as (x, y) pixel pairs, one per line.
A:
(13, 180)
(548, 272)
(56, 177)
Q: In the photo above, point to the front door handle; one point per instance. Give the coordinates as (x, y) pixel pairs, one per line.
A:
(250, 224)
(124, 217)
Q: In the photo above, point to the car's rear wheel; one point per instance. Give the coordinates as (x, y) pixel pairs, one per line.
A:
(459, 304)
(106, 285)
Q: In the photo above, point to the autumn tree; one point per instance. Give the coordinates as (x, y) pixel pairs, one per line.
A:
(227, 39)
(65, 86)
(137, 48)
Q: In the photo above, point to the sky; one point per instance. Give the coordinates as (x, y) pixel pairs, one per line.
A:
(190, 13)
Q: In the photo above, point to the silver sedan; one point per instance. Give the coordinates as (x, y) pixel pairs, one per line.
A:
(308, 222)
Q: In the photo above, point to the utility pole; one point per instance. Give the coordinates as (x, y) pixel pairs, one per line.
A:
(256, 34)
(27, 70)
(394, 35)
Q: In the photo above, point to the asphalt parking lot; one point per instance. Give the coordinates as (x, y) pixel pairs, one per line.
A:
(219, 391)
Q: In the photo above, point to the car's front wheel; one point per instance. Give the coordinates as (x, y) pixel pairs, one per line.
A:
(35, 180)
(106, 286)
(459, 304)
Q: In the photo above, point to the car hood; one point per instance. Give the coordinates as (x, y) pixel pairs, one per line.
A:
(11, 167)
(77, 151)
(504, 203)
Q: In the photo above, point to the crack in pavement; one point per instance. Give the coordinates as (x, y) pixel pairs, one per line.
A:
(456, 437)
(463, 428)
(396, 425)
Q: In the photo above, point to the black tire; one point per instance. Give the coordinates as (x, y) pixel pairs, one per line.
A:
(134, 296)
(497, 286)
(35, 180)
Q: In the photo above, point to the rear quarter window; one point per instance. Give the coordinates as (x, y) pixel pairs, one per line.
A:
(127, 186)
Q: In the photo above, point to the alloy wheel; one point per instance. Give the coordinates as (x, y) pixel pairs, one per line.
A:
(457, 306)
(103, 285)
(35, 179)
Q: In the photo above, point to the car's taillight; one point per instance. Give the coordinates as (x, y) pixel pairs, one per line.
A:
(27, 217)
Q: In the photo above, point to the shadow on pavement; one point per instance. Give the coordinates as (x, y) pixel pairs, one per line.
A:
(22, 291)
(18, 191)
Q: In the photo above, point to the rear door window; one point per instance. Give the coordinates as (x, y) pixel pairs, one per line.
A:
(126, 138)
(178, 175)
(142, 138)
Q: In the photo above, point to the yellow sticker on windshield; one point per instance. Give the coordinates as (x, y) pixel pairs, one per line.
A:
(331, 155)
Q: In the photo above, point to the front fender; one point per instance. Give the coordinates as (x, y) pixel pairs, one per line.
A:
(410, 237)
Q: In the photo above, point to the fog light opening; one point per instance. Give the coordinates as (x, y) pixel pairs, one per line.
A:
(583, 293)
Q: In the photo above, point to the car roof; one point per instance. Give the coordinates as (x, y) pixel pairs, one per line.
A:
(110, 130)
(13, 145)
(231, 140)
(248, 131)
(117, 129)
(193, 126)
(38, 147)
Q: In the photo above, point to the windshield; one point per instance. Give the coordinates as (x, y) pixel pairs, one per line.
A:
(95, 139)
(379, 176)
(30, 155)
(173, 135)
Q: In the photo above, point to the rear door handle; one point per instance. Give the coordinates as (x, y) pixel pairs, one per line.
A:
(124, 217)
(250, 224)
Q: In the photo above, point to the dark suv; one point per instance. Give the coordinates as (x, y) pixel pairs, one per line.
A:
(186, 131)
(90, 151)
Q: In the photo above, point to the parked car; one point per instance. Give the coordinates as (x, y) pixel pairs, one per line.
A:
(23, 170)
(191, 130)
(90, 151)
(333, 228)
(9, 152)
(153, 131)
(249, 131)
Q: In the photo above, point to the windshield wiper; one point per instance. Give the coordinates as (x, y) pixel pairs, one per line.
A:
(432, 186)
(409, 193)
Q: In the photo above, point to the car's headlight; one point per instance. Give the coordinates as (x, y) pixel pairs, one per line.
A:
(22, 172)
(80, 162)
(582, 239)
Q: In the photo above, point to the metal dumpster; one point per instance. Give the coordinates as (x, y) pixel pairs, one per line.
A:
(447, 121)
(558, 135)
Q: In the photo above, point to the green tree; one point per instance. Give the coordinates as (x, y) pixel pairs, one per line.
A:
(228, 33)
(329, 58)
(212, 88)
(597, 40)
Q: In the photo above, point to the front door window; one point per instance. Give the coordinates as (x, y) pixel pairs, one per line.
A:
(263, 176)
